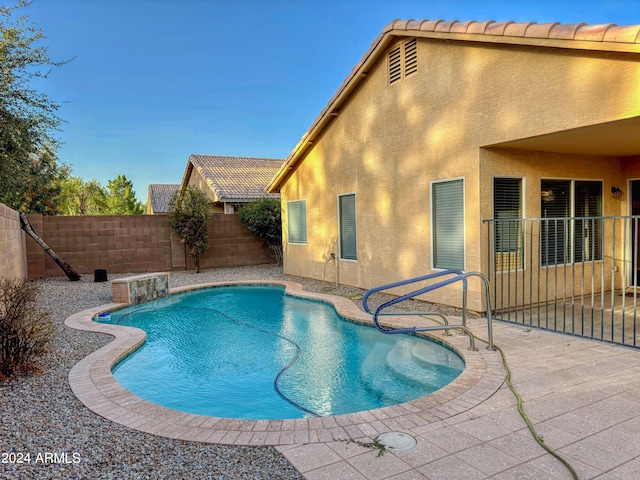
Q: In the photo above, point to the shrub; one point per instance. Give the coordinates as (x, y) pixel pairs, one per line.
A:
(189, 214)
(263, 219)
(25, 329)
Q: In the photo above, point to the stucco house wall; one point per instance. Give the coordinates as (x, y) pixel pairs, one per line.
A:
(453, 119)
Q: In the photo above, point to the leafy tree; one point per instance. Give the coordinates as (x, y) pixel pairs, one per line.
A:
(121, 199)
(189, 214)
(78, 197)
(28, 118)
(41, 192)
(264, 219)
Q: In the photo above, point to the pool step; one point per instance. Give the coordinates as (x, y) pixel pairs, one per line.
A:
(424, 352)
(375, 374)
(405, 364)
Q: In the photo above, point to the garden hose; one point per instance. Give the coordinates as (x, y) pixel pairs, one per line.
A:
(521, 411)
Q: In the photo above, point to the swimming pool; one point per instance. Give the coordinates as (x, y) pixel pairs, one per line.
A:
(253, 352)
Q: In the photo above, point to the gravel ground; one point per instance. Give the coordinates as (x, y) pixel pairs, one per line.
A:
(43, 425)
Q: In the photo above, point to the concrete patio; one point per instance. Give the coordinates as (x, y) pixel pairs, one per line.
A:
(582, 396)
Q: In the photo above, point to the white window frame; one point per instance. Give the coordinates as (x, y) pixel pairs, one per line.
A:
(306, 232)
(519, 265)
(340, 235)
(433, 226)
(572, 213)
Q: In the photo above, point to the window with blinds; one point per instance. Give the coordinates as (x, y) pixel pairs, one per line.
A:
(566, 233)
(587, 239)
(447, 219)
(347, 219)
(403, 61)
(507, 214)
(297, 221)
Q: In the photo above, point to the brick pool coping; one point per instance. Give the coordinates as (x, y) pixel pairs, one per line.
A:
(93, 384)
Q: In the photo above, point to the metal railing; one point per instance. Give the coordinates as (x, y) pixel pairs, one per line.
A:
(458, 276)
(576, 275)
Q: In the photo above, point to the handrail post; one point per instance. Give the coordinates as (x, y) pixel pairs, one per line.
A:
(487, 288)
(464, 307)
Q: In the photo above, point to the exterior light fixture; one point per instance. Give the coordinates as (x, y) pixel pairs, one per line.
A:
(616, 192)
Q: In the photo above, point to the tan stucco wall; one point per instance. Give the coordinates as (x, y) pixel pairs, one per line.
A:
(13, 255)
(389, 142)
(533, 167)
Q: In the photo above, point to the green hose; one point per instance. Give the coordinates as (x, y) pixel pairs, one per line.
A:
(524, 416)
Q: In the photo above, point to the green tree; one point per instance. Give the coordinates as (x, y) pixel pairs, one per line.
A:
(189, 214)
(78, 197)
(263, 218)
(28, 118)
(41, 193)
(121, 199)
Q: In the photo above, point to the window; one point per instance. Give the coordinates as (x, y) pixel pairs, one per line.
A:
(507, 212)
(403, 61)
(297, 221)
(448, 224)
(347, 219)
(571, 233)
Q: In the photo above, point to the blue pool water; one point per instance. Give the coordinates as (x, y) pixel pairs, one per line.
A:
(253, 352)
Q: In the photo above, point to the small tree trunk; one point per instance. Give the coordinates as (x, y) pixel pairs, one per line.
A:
(68, 270)
(277, 250)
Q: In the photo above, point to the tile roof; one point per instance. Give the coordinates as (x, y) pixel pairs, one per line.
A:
(237, 178)
(159, 196)
(603, 37)
(607, 32)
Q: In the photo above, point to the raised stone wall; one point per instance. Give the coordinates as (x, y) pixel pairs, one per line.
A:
(140, 288)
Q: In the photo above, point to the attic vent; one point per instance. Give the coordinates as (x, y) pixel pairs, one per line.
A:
(395, 65)
(410, 58)
(403, 61)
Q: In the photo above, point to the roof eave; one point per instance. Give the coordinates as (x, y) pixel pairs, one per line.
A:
(358, 73)
(187, 173)
(398, 29)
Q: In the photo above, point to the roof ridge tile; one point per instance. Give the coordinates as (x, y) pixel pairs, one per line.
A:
(627, 34)
(430, 25)
(566, 31)
(462, 27)
(517, 29)
(446, 26)
(498, 28)
(594, 33)
(540, 30)
(402, 24)
(607, 32)
(479, 27)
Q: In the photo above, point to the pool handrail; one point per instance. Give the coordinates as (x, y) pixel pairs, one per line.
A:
(371, 291)
(459, 277)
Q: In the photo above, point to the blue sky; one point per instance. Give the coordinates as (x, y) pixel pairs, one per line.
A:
(154, 81)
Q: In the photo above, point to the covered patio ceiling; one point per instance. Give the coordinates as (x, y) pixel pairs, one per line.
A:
(620, 138)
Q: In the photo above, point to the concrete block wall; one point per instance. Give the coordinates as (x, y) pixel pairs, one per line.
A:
(136, 244)
(13, 257)
(232, 245)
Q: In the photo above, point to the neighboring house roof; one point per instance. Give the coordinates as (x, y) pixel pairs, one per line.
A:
(159, 196)
(235, 179)
(580, 36)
